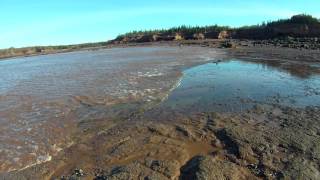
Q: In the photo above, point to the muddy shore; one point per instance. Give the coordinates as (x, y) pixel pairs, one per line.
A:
(303, 44)
(266, 142)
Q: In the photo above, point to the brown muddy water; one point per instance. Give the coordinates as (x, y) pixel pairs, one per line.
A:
(44, 98)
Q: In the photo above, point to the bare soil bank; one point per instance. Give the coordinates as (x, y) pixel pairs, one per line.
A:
(267, 142)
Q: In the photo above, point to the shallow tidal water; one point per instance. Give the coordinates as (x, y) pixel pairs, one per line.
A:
(237, 85)
(43, 98)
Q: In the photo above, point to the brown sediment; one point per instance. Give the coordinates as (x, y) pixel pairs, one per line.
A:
(267, 142)
(259, 149)
(132, 87)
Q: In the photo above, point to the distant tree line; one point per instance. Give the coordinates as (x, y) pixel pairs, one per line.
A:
(260, 31)
(302, 25)
(180, 29)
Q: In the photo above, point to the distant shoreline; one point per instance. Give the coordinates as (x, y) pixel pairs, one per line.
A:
(47, 53)
(298, 43)
(299, 32)
(45, 50)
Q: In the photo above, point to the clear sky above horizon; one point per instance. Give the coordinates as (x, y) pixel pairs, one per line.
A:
(38, 22)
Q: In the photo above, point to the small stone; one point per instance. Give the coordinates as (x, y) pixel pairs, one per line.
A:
(79, 172)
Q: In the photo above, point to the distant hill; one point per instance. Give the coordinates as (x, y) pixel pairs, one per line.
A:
(297, 26)
(36, 50)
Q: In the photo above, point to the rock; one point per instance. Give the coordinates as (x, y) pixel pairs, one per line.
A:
(231, 145)
(131, 171)
(155, 37)
(210, 168)
(223, 35)
(153, 177)
(178, 37)
(247, 154)
(160, 129)
(78, 172)
(299, 168)
(185, 131)
(199, 36)
(168, 168)
(228, 44)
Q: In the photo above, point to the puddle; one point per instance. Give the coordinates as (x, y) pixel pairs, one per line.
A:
(237, 85)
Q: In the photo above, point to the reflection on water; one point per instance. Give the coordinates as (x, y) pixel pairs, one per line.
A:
(297, 69)
(237, 85)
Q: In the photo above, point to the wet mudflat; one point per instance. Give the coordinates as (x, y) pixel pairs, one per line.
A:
(43, 98)
(170, 118)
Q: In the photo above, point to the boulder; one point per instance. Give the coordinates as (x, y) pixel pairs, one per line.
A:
(199, 36)
(223, 35)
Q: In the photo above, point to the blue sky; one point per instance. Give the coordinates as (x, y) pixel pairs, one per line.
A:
(52, 22)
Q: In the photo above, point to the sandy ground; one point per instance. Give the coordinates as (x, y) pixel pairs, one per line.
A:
(267, 142)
